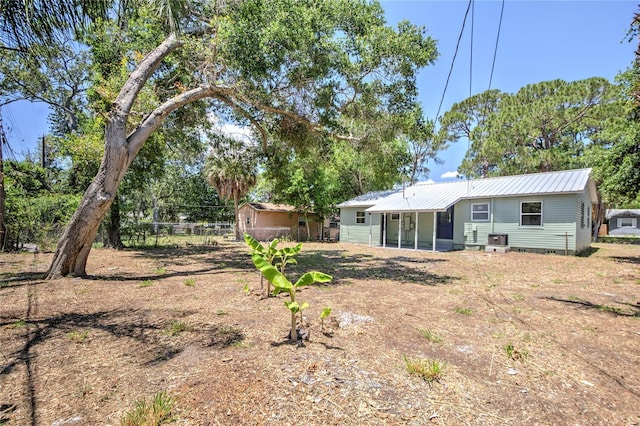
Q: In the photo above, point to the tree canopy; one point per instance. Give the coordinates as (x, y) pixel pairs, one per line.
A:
(299, 71)
(543, 127)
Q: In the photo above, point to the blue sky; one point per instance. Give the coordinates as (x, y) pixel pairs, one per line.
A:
(539, 41)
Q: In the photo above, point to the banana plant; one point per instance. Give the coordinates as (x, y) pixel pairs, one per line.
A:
(286, 255)
(269, 253)
(323, 315)
(282, 285)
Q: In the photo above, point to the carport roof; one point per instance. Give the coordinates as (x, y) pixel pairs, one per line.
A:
(441, 196)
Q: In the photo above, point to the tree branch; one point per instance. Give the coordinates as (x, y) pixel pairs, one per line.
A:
(142, 73)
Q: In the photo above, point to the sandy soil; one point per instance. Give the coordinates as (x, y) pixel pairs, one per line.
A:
(526, 339)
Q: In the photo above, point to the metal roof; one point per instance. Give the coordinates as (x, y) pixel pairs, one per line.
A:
(441, 196)
(271, 207)
(368, 199)
(621, 212)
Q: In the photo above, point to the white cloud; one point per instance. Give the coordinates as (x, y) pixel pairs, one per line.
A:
(426, 182)
(236, 132)
(231, 130)
(449, 175)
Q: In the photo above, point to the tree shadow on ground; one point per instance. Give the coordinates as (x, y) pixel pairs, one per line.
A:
(634, 260)
(128, 325)
(633, 312)
(20, 279)
(368, 267)
(222, 257)
(587, 251)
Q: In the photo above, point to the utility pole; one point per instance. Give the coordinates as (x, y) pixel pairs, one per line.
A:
(3, 140)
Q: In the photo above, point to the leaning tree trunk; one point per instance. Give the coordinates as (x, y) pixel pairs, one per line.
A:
(120, 150)
(75, 244)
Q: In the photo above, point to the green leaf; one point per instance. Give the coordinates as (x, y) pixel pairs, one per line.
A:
(305, 305)
(325, 313)
(253, 243)
(275, 277)
(313, 277)
(292, 306)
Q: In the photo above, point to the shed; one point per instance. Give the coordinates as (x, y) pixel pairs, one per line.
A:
(266, 221)
(541, 212)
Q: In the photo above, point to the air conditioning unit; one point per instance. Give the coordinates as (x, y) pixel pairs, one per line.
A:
(498, 239)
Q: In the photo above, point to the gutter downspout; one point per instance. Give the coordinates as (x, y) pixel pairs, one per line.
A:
(492, 223)
(416, 234)
(400, 230)
(435, 225)
(384, 230)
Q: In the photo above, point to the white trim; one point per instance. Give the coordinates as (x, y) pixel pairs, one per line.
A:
(487, 212)
(541, 214)
(634, 222)
(363, 217)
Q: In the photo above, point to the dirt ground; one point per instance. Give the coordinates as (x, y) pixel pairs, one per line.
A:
(526, 339)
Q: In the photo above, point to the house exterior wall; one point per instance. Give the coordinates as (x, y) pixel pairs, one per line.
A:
(353, 232)
(266, 225)
(613, 221)
(583, 221)
(558, 230)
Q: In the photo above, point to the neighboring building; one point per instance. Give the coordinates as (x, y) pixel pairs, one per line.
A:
(623, 222)
(266, 221)
(542, 212)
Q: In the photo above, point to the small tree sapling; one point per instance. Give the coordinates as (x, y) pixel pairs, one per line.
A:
(324, 314)
(282, 284)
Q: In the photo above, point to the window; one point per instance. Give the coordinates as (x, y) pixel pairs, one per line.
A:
(395, 216)
(248, 220)
(301, 221)
(626, 221)
(480, 212)
(531, 213)
(360, 217)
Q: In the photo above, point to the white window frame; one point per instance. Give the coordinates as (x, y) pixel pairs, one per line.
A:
(532, 214)
(395, 216)
(361, 218)
(634, 222)
(474, 218)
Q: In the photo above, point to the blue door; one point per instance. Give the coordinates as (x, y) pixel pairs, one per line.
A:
(445, 225)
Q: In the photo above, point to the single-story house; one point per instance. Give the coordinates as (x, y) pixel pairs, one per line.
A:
(623, 222)
(542, 212)
(266, 221)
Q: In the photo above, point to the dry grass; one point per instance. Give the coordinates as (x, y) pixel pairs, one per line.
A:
(546, 339)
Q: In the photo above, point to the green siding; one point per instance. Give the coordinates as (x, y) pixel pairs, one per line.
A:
(352, 232)
(557, 231)
(583, 233)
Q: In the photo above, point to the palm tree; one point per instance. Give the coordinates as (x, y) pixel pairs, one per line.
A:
(232, 172)
(25, 24)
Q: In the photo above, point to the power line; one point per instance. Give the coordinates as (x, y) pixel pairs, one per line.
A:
(473, 10)
(495, 50)
(454, 58)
